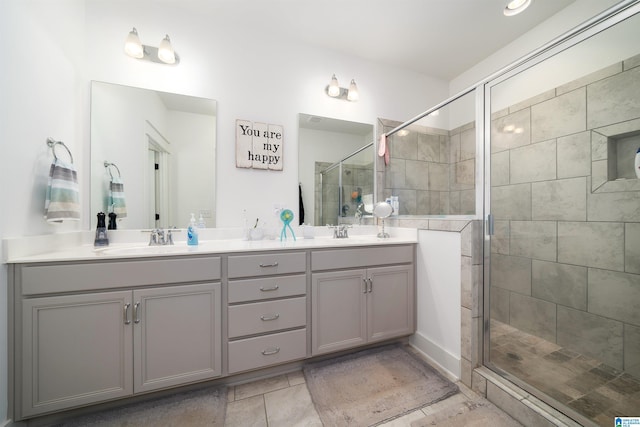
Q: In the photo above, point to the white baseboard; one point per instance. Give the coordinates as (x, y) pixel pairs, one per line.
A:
(447, 362)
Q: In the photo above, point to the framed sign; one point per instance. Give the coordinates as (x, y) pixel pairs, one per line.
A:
(258, 145)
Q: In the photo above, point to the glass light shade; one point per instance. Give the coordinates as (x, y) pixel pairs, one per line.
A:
(514, 7)
(165, 51)
(334, 88)
(132, 45)
(353, 94)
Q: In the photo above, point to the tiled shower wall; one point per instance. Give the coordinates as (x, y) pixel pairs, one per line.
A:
(565, 262)
(432, 171)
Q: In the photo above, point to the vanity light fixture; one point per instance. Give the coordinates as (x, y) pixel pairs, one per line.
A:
(164, 54)
(514, 7)
(334, 90)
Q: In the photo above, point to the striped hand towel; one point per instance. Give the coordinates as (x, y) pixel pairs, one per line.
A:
(116, 197)
(62, 200)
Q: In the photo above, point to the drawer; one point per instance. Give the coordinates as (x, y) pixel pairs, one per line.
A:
(270, 287)
(69, 277)
(267, 264)
(267, 316)
(257, 352)
(361, 257)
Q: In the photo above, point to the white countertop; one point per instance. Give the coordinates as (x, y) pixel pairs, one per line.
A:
(74, 246)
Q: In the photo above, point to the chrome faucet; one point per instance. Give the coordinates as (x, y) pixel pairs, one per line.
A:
(159, 238)
(340, 231)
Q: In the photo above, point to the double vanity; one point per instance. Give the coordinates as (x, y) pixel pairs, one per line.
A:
(90, 326)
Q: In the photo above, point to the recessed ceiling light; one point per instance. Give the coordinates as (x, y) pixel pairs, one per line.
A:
(514, 7)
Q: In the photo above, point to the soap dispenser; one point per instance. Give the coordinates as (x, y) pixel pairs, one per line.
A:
(101, 231)
(192, 232)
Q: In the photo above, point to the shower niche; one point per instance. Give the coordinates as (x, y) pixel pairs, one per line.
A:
(613, 150)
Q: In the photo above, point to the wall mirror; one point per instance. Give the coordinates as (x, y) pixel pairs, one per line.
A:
(160, 147)
(335, 170)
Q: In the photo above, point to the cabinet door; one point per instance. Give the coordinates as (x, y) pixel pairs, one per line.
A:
(338, 310)
(177, 335)
(76, 350)
(390, 310)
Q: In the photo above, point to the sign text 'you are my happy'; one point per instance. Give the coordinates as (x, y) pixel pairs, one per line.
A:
(258, 145)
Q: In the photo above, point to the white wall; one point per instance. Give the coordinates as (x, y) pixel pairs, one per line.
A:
(42, 95)
(253, 78)
(438, 293)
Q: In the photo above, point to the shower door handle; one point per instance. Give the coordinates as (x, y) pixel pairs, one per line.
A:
(490, 225)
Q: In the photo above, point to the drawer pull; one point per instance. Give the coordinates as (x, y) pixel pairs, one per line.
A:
(127, 321)
(273, 288)
(266, 318)
(370, 284)
(269, 351)
(275, 264)
(364, 289)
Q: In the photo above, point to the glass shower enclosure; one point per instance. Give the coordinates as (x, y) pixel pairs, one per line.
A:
(562, 273)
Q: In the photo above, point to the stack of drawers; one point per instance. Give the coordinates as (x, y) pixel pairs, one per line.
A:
(267, 315)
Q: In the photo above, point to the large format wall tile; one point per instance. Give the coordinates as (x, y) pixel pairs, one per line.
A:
(534, 239)
(574, 155)
(465, 177)
(499, 304)
(590, 335)
(632, 248)
(502, 139)
(535, 162)
(500, 168)
(500, 238)
(614, 99)
(632, 350)
(619, 206)
(560, 283)
(615, 295)
(438, 177)
(562, 200)
(428, 147)
(592, 244)
(560, 116)
(468, 144)
(417, 175)
(511, 202)
(511, 273)
(533, 315)
(404, 147)
(395, 174)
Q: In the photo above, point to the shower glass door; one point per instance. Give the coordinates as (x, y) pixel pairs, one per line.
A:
(564, 271)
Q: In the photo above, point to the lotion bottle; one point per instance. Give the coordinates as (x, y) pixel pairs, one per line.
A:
(637, 163)
(192, 232)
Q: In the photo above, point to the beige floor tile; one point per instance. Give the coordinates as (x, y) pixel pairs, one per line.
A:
(456, 399)
(261, 386)
(248, 412)
(296, 378)
(291, 407)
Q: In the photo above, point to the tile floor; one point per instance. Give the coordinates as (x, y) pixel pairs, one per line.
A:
(586, 385)
(285, 401)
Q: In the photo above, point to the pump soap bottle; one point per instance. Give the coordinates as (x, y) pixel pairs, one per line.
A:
(192, 232)
(101, 231)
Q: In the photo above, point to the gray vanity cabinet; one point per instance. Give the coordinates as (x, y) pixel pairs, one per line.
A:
(356, 306)
(86, 338)
(76, 351)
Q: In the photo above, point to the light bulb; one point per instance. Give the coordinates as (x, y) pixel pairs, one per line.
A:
(132, 45)
(165, 51)
(334, 88)
(353, 94)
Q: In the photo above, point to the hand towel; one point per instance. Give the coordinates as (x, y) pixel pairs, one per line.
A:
(383, 149)
(117, 203)
(62, 201)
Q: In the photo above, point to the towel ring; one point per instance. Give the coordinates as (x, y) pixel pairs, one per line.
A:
(107, 166)
(52, 143)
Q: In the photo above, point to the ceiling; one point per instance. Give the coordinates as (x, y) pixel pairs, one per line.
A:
(440, 38)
